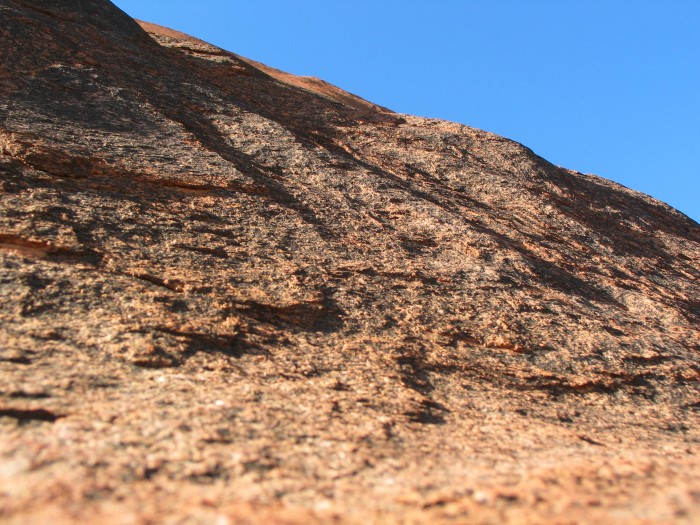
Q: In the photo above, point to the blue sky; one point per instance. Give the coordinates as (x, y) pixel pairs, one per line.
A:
(604, 87)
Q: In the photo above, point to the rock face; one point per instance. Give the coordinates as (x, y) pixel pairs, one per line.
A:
(234, 295)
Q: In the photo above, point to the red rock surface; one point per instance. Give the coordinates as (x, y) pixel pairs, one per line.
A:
(232, 295)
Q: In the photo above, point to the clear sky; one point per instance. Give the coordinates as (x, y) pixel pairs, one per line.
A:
(599, 86)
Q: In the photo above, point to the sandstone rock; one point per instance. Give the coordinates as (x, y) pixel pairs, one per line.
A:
(232, 295)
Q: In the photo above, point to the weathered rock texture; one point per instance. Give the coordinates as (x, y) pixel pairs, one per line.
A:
(234, 295)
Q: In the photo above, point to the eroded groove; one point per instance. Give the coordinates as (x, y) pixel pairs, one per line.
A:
(316, 315)
(169, 284)
(21, 394)
(14, 241)
(35, 249)
(186, 187)
(641, 383)
(27, 415)
(16, 358)
(228, 344)
(428, 412)
(30, 151)
(216, 252)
